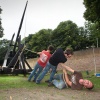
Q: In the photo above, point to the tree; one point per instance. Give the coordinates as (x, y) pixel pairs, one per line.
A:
(93, 33)
(1, 29)
(3, 49)
(65, 34)
(92, 12)
(40, 40)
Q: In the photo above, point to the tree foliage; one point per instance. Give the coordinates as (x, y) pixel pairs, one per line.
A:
(65, 34)
(39, 40)
(92, 12)
(1, 29)
(93, 34)
(3, 49)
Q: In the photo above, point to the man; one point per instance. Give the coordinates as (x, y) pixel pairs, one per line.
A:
(75, 81)
(59, 56)
(41, 63)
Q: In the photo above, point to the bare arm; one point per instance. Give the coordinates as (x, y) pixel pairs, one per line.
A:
(66, 78)
(67, 68)
(38, 53)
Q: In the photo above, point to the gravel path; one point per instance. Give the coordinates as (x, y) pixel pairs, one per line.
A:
(49, 93)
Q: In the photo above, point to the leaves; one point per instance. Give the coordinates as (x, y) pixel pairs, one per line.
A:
(92, 10)
(1, 28)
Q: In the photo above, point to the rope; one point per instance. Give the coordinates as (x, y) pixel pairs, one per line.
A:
(31, 51)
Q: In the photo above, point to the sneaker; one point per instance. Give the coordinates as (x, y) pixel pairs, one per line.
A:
(50, 84)
(34, 81)
(47, 81)
(37, 82)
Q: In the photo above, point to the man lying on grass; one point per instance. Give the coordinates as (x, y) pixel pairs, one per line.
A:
(75, 81)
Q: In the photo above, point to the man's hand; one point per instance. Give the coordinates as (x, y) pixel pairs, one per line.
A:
(64, 71)
(66, 67)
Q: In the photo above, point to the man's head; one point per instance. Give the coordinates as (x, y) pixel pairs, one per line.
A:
(68, 52)
(86, 83)
(50, 47)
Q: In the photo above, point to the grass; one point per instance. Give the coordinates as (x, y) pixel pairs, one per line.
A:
(9, 81)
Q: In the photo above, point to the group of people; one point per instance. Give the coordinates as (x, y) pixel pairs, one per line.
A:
(48, 61)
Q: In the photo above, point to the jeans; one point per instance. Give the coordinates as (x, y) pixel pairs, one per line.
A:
(37, 70)
(58, 81)
(44, 72)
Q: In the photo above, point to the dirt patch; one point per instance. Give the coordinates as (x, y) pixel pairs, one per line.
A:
(49, 93)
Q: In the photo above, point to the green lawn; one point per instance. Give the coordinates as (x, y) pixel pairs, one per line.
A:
(9, 81)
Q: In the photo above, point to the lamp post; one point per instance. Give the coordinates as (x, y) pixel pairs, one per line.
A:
(97, 42)
(94, 59)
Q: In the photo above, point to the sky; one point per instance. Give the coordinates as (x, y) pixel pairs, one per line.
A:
(40, 14)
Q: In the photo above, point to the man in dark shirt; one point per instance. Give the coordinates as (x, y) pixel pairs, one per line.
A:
(59, 57)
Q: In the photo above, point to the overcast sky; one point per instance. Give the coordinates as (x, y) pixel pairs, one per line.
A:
(40, 14)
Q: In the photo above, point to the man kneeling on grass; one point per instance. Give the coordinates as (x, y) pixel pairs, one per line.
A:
(75, 81)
